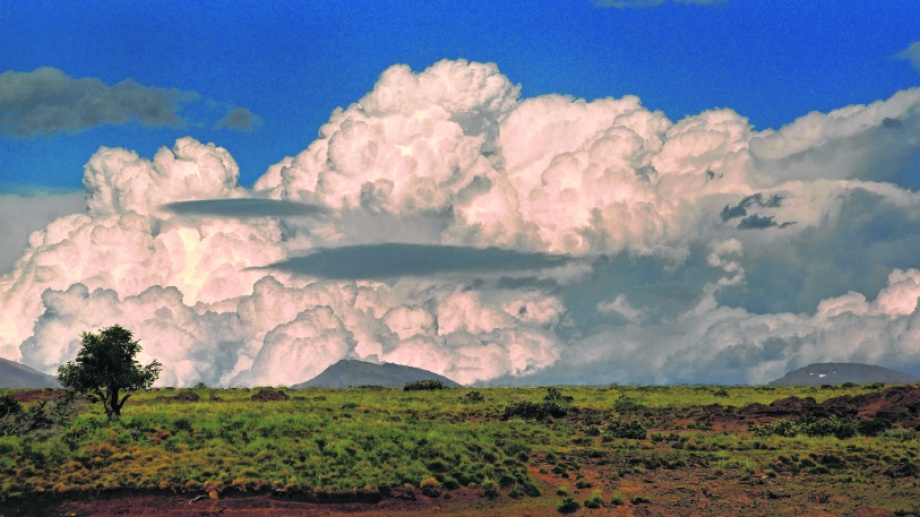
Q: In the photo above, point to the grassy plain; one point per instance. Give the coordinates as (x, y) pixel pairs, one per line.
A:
(615, 451)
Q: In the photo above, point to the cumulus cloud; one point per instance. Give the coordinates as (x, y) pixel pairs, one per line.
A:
(443, 222)
(49, 101)
(910, 54)
(22, 213)
(240, 119)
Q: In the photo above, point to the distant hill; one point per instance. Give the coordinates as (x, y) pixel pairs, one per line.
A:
(350, 372)
(18, 375)
(838, 373)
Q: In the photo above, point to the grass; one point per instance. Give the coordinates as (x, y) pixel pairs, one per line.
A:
(372, 439)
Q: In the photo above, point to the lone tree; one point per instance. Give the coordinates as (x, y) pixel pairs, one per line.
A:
(106, 365)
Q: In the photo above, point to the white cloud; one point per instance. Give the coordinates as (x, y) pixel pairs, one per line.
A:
(20, 215)
(683, 232)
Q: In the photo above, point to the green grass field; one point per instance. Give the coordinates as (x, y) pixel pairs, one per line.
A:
(326, 443)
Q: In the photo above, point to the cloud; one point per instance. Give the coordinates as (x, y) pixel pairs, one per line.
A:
(546, 239)
(911, 54)
(48, 101)
(22, 213)
(243, 208)
(395, 260)
(240, 119)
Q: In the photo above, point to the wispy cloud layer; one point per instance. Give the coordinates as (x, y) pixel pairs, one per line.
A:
(396, 260)
(911, 54)
(244, 207)
(240, 119)
(48, 101)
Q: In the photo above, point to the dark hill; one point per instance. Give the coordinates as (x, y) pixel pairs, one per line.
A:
(18, 375)
(838, 373)
(349, 372)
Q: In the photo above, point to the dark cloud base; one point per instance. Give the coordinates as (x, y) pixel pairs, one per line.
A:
(376, 261)
(243, 208)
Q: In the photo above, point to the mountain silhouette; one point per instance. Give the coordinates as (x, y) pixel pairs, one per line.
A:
(350, 372)
(838, 373)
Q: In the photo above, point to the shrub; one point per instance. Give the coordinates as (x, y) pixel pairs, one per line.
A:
(490, 488)
(554, 395)
(594, 500)
(626, 404)
(873, 427)
(431, 487)
(9, 405)
(431, 384)
(472, 396)
(534, 410)
(617, 499)
(842, 429)
(568, 505)
(630, 429)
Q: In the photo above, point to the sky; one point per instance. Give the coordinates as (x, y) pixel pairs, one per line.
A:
(633, 191)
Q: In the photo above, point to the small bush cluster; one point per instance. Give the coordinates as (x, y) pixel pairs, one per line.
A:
(431, 384)
(472, 396)
(841, 429)
(630, 429)
(595, 499)
(534, 410)
(627, 404)
(554, 395)
(9, 405)
(568, 505)
(41, 417)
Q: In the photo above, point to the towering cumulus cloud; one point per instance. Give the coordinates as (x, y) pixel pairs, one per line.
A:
(443, 222)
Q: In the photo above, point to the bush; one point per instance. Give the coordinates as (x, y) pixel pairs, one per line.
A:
(431, 487)
(9, 405)
(40, 417)
(873, 427)
(842, 429)
(626, 404)
(472, 396)
(568, 505)
(490, 489)
(534, 410)
(594, 500)
(617, 499)
(431, 384)
(630, 429)
(554, 395)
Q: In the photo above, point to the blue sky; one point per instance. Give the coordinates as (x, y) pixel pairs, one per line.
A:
(292, 63)
(648, 191)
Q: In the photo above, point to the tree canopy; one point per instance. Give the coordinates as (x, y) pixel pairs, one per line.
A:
(106, 365)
